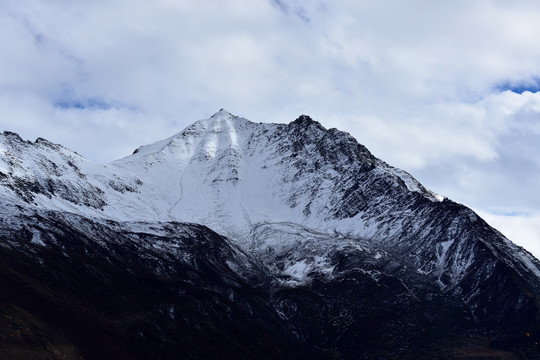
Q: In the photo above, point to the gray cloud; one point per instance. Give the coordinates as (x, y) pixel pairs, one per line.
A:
(438, 89)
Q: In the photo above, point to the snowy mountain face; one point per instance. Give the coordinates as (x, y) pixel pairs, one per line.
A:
(340, 254)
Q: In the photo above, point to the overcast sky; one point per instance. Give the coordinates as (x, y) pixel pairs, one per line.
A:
(447, 90)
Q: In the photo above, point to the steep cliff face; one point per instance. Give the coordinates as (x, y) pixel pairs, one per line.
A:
(329, 249)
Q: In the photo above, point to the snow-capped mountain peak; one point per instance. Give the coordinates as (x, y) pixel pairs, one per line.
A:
(222, 113)
(236, 176)
(229, 170)
(233, 174)
(303, 206)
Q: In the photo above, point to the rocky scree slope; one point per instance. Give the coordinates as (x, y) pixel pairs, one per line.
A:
(358, 258)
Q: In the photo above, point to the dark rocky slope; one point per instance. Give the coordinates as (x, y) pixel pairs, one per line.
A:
(79, 288)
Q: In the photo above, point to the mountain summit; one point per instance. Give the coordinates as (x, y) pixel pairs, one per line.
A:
(286, 240)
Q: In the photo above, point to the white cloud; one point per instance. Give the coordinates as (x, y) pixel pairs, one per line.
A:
(522, 229)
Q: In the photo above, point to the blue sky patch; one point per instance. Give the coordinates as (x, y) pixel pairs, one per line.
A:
(512, 213)
(94, 104)
(287, 9)
(532, 85)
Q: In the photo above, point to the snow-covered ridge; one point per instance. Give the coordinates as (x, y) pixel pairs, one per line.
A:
(224, 169)
(231, 174)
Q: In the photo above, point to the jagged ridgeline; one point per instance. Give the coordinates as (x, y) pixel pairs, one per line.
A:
(242, 240)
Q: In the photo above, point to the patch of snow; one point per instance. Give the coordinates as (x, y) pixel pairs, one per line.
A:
(297, 271)
(36, 239)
